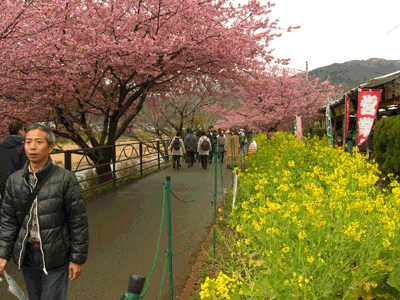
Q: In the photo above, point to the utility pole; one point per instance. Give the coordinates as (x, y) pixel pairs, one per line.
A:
(308, 121)
(307, 71)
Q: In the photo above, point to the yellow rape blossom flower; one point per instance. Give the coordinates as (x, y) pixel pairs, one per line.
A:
(302, 235)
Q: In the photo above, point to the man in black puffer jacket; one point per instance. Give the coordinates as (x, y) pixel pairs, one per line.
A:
(48, 237)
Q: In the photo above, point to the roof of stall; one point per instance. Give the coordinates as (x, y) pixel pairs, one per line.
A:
(374, 82)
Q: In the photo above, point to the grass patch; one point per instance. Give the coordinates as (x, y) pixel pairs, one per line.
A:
(210, 267)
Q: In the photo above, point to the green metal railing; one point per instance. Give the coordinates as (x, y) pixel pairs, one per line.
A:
(136, 282)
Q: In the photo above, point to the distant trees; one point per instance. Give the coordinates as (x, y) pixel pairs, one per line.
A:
(275, 99)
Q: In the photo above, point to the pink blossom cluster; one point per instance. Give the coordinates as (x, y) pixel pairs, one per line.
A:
(87, 67)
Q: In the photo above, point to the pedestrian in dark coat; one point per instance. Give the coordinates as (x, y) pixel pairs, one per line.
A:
(47, 235)
(190, 147)
(212, 135)
(203, 153)
(12, 154)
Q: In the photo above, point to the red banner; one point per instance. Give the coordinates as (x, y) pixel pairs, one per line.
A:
(347, 118)
(368, 102)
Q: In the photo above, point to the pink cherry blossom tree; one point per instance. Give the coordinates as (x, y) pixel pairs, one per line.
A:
(97, 62)
(275, 99)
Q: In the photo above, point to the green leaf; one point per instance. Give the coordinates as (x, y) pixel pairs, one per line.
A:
(232, 262)
(394, 280)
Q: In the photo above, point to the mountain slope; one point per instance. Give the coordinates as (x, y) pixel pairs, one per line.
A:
(355, 72)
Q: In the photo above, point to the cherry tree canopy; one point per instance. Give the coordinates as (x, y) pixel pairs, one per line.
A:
(272, 101)
(164, 116)
(85, 62)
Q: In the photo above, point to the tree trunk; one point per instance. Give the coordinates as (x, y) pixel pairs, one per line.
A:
(164, 151)
(103, 165)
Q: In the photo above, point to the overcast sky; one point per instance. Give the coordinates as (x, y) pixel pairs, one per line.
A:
(337, 31)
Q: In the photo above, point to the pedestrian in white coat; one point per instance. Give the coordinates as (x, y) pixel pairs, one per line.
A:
(204, 147)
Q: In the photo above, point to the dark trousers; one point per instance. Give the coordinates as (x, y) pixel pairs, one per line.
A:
(190, 157)
(176, 160)
(40, 286)
(221, 156)
(204, 161)
(213, 151)
(350, 145)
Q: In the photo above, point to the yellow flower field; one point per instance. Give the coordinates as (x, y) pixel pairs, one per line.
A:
(310, 223)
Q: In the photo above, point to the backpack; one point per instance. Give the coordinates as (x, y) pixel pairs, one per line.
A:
(176, 144)
(221, 141)
(205, 145)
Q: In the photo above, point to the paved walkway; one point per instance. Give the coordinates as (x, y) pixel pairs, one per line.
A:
(124, 228)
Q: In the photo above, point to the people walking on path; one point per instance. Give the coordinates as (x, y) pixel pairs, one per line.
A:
(178, 149)
(242, 141)
(204, 147)
(197, 155)
(221, 141)
(12, 153)
(190, 143)
(44, 222)
(212, 135)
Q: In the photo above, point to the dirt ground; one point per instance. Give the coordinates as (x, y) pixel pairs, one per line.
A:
(122, 152)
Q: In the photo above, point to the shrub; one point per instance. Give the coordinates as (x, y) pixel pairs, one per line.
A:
(387, 144)
(89, 180)
(127, 168)
(320, 132)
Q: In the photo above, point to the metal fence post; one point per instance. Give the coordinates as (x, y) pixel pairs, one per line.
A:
(171, 292)
(222, 179)
(68, 160)
(135, 287)
(158, 154)
(215, 199)
(141, 157)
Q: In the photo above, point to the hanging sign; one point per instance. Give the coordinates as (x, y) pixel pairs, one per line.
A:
(368, 102)
(299, 128)
(252, 147)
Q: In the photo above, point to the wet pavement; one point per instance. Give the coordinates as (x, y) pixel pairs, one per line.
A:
(124, 228)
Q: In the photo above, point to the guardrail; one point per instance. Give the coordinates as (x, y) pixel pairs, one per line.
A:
(136, 282)
(111, 163)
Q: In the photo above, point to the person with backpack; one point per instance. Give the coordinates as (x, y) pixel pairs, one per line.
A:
(177, 148)
(204, 147)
